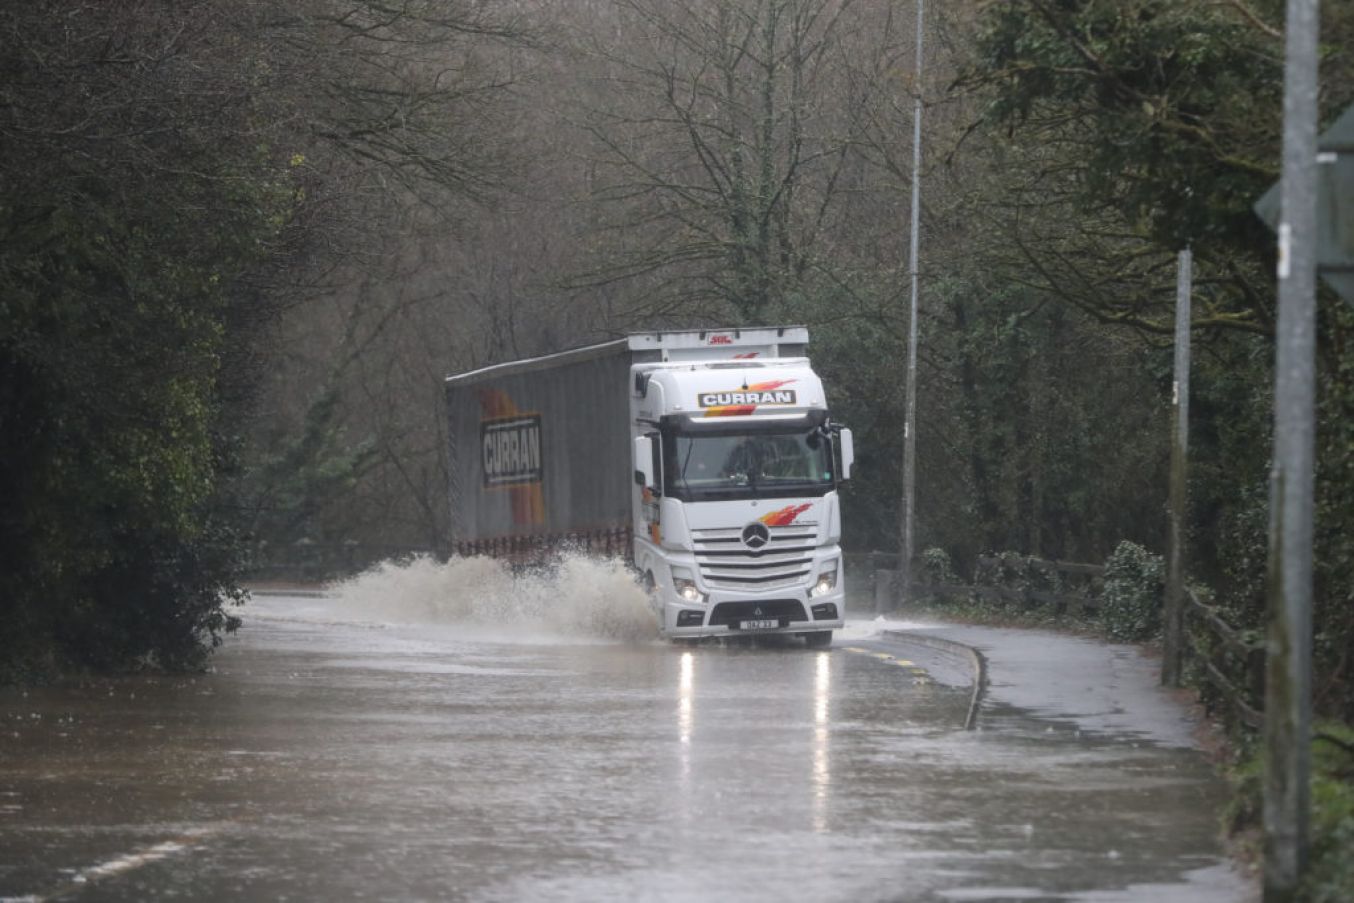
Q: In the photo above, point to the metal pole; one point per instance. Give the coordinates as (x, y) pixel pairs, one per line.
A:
(1288, 672)
(910, 421)
(1173, 645)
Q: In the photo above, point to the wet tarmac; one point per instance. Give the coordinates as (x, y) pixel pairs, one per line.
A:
(334, 755)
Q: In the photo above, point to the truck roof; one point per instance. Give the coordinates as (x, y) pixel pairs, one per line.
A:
(762, 341)
(682, 345)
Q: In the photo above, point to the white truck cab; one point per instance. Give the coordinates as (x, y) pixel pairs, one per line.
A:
(737, 523)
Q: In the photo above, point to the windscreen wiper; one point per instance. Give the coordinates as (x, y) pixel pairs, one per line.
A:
(686, 462)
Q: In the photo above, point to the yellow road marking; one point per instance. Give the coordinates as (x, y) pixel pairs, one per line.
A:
(919, 674)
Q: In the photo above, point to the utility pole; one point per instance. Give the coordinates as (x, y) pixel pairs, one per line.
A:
(910, 419)
(1288, 671)
(1174, 638)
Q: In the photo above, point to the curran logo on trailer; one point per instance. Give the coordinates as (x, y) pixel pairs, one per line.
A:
(511, 450)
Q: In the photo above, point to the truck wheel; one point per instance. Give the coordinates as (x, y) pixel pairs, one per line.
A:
(819, 639)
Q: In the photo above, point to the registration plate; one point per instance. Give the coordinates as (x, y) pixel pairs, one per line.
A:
(759, 625)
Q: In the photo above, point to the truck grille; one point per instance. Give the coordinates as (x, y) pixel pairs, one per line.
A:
(725, 562)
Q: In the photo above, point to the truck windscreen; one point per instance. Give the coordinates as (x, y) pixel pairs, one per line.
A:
(709, 466)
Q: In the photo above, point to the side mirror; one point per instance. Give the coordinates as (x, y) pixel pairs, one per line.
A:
(644, 475)
(847, 446)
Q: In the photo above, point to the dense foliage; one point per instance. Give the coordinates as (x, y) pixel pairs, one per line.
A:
(162, 165)
(1331, 877)
(1162, 119)
(1156, 125)
(125, 210)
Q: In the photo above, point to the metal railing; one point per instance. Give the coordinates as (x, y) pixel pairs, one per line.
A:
(316, 562)
(1070, 586)
(610, 542)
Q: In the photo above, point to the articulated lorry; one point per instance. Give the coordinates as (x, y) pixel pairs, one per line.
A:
(708, 458)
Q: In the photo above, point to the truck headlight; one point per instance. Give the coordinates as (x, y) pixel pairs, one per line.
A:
(684, 582)
(826, 583)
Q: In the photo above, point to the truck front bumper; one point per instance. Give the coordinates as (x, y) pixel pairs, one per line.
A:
(746, 614)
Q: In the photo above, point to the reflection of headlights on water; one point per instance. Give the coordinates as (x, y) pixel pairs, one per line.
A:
(827, 582)
(684, 582)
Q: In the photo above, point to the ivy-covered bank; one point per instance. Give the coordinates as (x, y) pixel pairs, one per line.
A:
(119, 339)
(174, 177)
(1330, 875)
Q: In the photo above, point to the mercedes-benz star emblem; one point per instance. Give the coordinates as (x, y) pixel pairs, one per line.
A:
(755, 535)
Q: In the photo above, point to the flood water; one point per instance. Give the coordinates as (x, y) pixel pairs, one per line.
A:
(397, 741)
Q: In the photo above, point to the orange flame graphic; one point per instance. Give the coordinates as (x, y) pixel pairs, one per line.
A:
(785, 516)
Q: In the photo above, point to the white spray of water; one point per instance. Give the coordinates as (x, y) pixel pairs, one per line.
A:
(581, 597)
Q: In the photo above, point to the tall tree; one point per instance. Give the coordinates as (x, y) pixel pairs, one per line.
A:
(726, 144)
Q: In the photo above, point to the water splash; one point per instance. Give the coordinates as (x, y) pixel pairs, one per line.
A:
(580, 597)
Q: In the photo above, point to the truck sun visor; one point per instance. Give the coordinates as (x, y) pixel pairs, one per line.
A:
(685, 423)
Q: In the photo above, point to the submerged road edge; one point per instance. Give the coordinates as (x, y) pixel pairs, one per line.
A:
(974, 659)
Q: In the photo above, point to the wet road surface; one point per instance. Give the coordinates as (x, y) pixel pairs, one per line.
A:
(337, 757)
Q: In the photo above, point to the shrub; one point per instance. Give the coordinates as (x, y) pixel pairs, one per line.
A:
(1130, 610)
(936, 567)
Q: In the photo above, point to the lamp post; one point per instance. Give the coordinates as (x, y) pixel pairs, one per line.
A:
(910, 418)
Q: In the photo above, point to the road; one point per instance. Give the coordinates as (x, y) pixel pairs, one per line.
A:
(403, 743)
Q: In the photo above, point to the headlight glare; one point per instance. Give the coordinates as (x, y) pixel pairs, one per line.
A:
(687, 590)
(684, 582)
(826, 583)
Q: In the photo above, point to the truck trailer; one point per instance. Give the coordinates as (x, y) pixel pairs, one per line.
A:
(706, 457)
